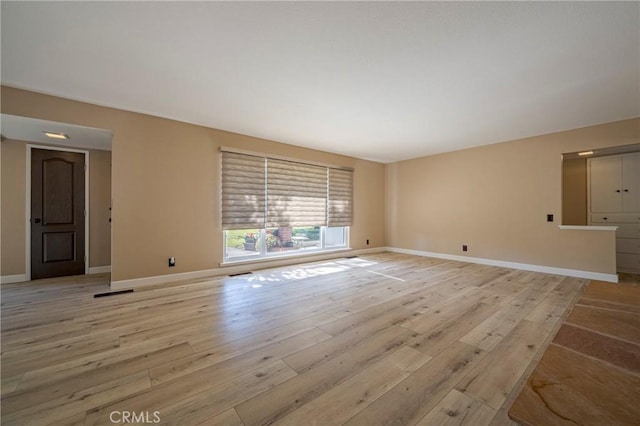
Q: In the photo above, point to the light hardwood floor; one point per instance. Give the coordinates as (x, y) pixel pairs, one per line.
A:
(379, 339)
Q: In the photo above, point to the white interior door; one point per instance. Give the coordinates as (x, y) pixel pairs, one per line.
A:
(631, 182)
(606, 184)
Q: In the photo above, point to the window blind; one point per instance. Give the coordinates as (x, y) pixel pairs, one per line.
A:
(259, 192)
(339, 202)
(243, 191)
(296, 194)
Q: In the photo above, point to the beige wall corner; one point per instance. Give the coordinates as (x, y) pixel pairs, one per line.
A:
(495, 199)
(574, 191)
(99, 213)
(369, 205)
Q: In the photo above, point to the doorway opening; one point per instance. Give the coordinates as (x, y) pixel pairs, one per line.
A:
(62, 236)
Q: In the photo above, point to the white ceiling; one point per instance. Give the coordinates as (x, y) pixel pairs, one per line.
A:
(32, 130)
(377, 80)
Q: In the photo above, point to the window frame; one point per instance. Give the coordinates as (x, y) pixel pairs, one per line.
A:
(337, 204)
(263, 254)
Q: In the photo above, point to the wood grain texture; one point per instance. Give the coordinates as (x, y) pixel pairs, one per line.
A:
(590, 374)
(491, 381)
(226, 418)
(619, 324)
(605, 292)
(570, 388)
(418, 394)
(609, 349)
(456, 409)
(282, 400)
(352, 396)
(380, 339)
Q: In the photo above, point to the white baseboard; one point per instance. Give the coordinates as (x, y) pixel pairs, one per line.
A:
(246, 267)
(513, 265)
(163, 279)
(236, 269)
(10, 279)
(99, 269)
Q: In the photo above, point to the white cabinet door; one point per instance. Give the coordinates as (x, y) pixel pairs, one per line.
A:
(631, 182)
(614, 198)
(606, 184)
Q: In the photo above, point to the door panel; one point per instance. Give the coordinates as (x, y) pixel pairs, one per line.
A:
(57, 213)
(631, 182)
(59, 246)
(57, 184)
(606, 184)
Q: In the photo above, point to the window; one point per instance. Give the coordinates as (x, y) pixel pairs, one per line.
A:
(241, 244)
(276, 207)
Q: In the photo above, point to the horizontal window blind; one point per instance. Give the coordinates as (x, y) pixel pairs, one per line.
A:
(296, 194)
(259, 192)
(243, 191)
(339, 203)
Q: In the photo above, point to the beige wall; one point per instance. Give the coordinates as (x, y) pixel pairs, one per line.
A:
(165, 192)
(495, 198)
(99, 203)
(12, 228)
(574, 191)
(12, 202)
(165, 184)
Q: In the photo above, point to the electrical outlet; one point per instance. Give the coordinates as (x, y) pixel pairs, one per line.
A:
(172, 262)
(549, 218)
(367, 242)
(465, 247)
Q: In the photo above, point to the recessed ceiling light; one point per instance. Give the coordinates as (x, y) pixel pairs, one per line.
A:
(56, 135)
(586, 153)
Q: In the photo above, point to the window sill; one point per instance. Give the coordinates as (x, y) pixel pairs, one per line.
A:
(284, 256)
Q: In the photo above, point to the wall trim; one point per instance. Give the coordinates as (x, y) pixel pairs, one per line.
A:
(235, 269)
(10, 279)
(226, 270)
(99, 269)
(513, 265)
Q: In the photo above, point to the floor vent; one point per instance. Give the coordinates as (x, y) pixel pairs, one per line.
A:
(240, 273)
(113, 293)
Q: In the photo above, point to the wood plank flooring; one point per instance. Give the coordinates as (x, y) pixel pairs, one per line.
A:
(380, 339)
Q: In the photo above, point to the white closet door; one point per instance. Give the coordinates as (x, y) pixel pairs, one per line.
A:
(631, 183)
(606, 184)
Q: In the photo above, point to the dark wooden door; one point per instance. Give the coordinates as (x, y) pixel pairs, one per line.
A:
(57, 213)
